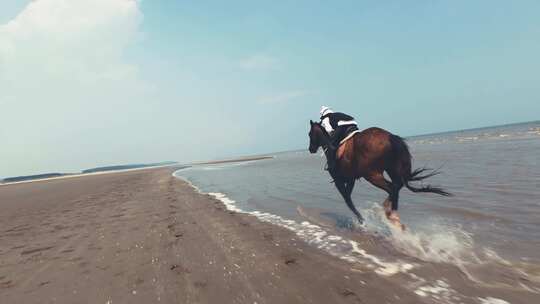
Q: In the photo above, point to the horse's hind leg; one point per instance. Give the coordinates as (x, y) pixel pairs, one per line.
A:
(377, 179)
(391, 203)
(397, 184)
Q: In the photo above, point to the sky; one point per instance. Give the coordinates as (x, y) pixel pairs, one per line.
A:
(86, 83)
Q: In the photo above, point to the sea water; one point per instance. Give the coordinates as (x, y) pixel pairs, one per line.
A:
(493, 219)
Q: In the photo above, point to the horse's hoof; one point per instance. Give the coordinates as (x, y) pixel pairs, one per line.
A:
(361, 227)
(398, 224)
(361, 224)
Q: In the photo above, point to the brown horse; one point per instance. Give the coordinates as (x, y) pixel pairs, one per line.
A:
(369, 154)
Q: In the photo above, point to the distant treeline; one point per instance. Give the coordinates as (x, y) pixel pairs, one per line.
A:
(125, 167)
(31, 177)
(93, 170)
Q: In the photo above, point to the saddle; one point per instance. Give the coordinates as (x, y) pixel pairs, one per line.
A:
(345, 134)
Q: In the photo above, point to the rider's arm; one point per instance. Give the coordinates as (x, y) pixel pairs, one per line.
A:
(326, 125)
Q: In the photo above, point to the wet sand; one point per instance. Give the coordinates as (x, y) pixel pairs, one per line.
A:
(147, 237)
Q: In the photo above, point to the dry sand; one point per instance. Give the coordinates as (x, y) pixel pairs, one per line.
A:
(146, 237)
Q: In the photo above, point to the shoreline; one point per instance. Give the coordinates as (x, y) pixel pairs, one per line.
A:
(233, 160)
(175, 165)
(144, 236)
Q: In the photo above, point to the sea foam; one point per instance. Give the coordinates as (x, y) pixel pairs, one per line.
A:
(323, 239)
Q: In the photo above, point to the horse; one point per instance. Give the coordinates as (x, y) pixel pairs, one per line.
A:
(368, 154)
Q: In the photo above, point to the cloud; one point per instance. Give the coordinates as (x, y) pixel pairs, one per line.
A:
(76, 41)
(259, 62)
(64, 80)
(282, 97)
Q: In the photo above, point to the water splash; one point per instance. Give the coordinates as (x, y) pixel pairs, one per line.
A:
(435, 241)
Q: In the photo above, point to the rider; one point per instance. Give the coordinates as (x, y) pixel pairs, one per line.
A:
(337, 125)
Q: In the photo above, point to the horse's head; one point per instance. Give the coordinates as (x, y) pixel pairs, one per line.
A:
(316, 133)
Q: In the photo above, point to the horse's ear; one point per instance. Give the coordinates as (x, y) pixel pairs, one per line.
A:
(311, 122)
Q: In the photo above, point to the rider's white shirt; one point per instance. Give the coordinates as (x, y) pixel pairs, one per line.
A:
(326, 125)
(346, 123)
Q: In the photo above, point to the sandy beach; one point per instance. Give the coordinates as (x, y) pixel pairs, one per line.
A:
(145, 236)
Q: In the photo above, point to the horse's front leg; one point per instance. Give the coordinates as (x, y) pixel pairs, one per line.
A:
(345, 189)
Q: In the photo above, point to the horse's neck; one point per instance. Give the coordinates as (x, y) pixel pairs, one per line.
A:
(325, 139)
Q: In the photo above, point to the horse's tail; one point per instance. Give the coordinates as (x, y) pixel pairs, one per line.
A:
(416, 176)
(404, 170)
